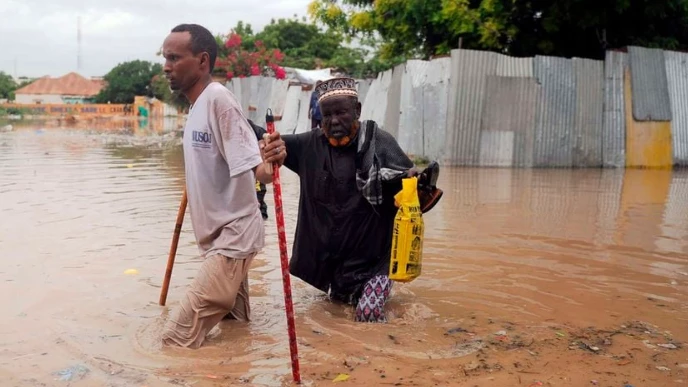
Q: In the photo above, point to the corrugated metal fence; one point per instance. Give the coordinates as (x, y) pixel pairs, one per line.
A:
(486, 109)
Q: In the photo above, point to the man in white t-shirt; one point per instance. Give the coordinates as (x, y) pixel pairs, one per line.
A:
(222, 163)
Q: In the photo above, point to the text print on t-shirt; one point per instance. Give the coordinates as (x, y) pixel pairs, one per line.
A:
(201, 139)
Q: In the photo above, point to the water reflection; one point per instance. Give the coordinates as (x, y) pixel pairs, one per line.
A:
(578, 247)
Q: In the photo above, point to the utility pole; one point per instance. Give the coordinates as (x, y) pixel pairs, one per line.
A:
(78, 43)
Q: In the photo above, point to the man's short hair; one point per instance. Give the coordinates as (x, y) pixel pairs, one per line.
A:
(201, 41)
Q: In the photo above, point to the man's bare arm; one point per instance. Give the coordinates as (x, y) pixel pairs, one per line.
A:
(272, 150)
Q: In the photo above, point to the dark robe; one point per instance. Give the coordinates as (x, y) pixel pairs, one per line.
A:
(341, 240)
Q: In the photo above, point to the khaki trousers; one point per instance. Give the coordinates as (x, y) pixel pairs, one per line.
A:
(220, 288)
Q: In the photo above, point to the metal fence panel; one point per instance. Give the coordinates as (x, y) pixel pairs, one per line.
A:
(469, 70)
(435, 99)
(304, 123)
(264, 94)
(253, 101)
(614, 127)
(496, 148)
(373, 94)
(649, 85)
(648, 143)
(587, 133)
(510, 106)
(411, 109)
(391, 123)
(363, 86)
(290, 116)
(278, 97)
(556, 112)
(245, 94)
(677, 78)
(508, 66)
(374, 108)
(236, 89)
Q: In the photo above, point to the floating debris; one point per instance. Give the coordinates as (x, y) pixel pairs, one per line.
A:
(341, 378)
(76, 372)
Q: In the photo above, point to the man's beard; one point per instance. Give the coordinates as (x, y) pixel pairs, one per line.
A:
(342, 141)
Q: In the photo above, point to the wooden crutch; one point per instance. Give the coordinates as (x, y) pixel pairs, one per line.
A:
(173, 249)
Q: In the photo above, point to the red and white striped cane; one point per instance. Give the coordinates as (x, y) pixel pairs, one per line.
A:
(284, 260)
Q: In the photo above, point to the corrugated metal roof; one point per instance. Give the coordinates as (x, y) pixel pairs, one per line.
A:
(391, 122)
(614, 111)
(510, 107)
(469, 70)
(649, 85)
(677, 79)
(435, 99)
(587, 133)
(508, 66)
(556, 113)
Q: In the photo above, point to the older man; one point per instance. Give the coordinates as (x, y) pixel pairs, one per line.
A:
(349, 172)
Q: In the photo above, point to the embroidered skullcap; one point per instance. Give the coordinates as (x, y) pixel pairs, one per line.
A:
(336, 87)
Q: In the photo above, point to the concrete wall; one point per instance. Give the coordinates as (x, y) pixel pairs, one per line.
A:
(38, 98)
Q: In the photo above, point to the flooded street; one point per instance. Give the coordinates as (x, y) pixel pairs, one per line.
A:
(530, 278)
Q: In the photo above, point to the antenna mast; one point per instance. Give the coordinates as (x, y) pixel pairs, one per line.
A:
(78, 43)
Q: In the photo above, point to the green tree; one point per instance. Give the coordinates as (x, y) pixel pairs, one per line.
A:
(7, 86)
(160, 89)
(417, 28)
(127, 80)
(584, 28)
(304, 45)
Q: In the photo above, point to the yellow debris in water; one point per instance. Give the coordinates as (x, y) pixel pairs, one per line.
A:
(130, 165)
(131, 271)
(341, 378)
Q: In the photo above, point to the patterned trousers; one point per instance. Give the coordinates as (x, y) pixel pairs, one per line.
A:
(371, 305)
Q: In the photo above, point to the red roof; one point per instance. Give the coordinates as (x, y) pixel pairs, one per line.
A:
(70, 84)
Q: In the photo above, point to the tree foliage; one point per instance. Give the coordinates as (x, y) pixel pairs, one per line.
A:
(584, 28)
(7, 86)
(237, 61)
(160, 89)
(127, 80)
(305, 45)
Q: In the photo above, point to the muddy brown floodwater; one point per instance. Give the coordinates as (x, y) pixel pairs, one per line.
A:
(530, 278)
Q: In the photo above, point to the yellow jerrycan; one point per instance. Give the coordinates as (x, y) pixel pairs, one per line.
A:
(407, 237)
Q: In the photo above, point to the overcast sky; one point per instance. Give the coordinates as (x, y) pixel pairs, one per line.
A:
(39, 37)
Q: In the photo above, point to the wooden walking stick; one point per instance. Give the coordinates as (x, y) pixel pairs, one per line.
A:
(284, 260)
(173, 249)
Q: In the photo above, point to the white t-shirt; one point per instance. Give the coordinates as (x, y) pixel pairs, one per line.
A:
(220, 151)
